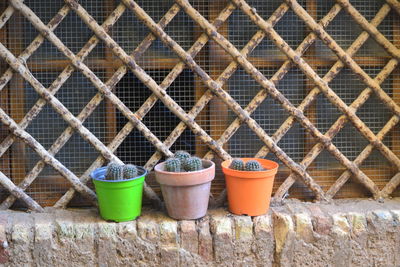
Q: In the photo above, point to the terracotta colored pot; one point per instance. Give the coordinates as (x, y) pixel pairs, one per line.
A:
(249, 192)
(186, 194)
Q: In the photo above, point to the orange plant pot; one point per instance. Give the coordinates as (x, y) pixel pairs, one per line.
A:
(249, 192)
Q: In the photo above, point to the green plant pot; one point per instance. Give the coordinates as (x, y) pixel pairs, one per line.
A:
(119, 201)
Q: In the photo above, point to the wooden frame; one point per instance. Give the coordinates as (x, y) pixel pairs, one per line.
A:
(207, 87)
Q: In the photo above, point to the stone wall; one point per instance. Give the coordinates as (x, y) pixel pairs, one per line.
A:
(345, 233)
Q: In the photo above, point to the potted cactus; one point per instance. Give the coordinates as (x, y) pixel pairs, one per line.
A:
(185, 184)
(119, 191)
(249, 184)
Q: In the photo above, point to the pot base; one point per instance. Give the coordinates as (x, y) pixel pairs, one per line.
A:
(186, 202)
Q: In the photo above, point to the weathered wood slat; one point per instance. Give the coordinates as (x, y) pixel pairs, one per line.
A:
(18, 193)
(286, 66)
(54, 87)
(224, 96)
(146, 79)
(35, 44)
(330, 95)
(345, 176)
(361, 99)
(262, 94)
(6, 15)
(395, 4)
(47, 157)
(390, 48)
(240, 59)
(223, 42)
(140, 113)
(330, 42)
(226, 74)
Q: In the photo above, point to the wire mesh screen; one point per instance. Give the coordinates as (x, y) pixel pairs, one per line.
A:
(311, 84)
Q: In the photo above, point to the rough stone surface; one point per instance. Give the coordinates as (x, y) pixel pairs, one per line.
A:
(345, 233)
(221, 228)
(243, 241)
(206, 250)
(264, 240)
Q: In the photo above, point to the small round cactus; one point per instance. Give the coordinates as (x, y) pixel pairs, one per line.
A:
(173, 165)
(114, 171)
(253, 165)
(237, 164)
(192, 164)
(130, 171)
(182, 155)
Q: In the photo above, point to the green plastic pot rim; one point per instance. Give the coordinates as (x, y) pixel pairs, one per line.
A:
(99, 173)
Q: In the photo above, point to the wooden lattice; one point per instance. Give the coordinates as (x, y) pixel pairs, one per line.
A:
(215, 88)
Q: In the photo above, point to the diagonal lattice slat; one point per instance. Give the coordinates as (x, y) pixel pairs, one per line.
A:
(336, 68)
(214, 86)
(276, 94)
(90, 107)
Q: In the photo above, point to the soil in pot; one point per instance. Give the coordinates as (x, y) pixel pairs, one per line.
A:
(186, 194)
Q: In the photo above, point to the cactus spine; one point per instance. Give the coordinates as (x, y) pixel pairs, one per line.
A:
(237, 164)
(129, 171)
(173, 165)
(192, 164)
(182, 155)
(182, 161)
(253, 165)
(114, 171)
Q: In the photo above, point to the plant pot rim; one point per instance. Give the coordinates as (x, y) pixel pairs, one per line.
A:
(99, 173)
(185, 178)
(271, 166)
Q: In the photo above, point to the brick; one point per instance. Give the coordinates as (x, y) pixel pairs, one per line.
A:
(206, 250)
(243, 241)
(396, 216)
(169, 256)
(127, 230)
(106, 243)
(322, 223)
(341, 226)
(169, 243)
(243, 235)
(149, 233)
(22, 235)
(243, 228)
(357, 222)
(168, 232)
(382, 216)
(4, 244)
(265, 243)
(148, 228)
(304, 227)
(45, 248)
(221, 228)
(189, 239)
(84, 228)
(283, 226)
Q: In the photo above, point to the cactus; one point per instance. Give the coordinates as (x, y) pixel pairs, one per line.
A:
(182, 155)
(237, 164)
(192, 164)
(253, 165)
(114, 171)
(129, 171)
(173, 165)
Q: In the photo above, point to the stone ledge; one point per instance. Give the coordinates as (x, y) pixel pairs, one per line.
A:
(345, 233)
